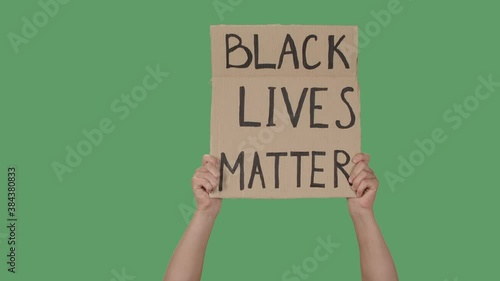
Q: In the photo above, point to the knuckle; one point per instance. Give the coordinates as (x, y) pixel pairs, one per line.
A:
(193, 181)
(357, 182)
(364, 182)
(361, 165)
(207, 158)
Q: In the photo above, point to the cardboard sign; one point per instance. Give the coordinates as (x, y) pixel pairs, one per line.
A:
(285, 119)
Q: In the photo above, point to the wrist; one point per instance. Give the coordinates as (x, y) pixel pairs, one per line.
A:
(205, 215)
(360, 214)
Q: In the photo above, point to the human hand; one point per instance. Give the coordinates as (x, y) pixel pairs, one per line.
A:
(204, 181)
(364, 184)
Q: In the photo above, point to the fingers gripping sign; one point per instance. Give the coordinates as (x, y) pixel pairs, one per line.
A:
(363, 182)
(205, 180)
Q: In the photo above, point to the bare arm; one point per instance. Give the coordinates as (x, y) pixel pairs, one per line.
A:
(186, 263)
(375, 258)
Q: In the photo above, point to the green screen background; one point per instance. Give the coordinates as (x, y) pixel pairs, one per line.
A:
(124, 207)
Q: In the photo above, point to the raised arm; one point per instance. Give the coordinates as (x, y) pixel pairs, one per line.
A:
(186, 263)
(375, 258)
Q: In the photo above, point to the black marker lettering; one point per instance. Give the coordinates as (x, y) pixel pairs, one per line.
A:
(351, 112)
(304, 53)
(299, 155)
(256, 170)
(314, 107)
(244, 123)
(234, 48)
(276, 166)
(292, 51)
(256, 53)
(239, 163)
(314, 169)
(294, 117)
(270, 119)
(334, 48)
(340, 166)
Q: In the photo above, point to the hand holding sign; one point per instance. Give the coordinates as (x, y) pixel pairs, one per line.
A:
(364, 183)
(204, 181)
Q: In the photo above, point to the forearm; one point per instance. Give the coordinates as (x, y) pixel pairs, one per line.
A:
(186, 263)
(375, 258)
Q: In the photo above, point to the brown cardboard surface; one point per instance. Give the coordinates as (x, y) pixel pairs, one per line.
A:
(268, 148)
